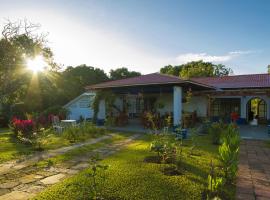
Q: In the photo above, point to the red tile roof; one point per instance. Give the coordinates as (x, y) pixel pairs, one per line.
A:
(149, 79)
(237, 81)
(225, 82)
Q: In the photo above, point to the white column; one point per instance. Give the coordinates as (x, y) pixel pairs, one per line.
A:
(102, 110)
(243, 107)
(177, 105)
(268, 108)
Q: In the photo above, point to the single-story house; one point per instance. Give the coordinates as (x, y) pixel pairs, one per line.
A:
(213, 97)
(80, 107)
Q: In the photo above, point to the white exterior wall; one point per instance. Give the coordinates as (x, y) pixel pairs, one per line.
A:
(167, 99)
(81, 107)
(198, 104)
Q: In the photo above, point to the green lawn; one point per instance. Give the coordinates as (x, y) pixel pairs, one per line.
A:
(12, 148)
(81, 151)
(129, 177)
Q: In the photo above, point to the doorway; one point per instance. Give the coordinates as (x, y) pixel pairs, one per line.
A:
(257, 109)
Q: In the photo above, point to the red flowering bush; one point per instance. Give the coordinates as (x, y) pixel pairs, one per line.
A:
(22, 128)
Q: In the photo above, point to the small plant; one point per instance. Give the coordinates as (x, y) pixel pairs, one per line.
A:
(82, 132)
(215, 183)
(164, 147)
(215, 131)
(158, 146)
(228, 153)
(194, 138)
(229, 161)
(98, 176)
(37, 141)
(152, 123)
(49, 163)
(71, 134)
(169, 152)
(179, 161)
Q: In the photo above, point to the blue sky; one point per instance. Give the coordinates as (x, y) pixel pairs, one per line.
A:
(145, 35)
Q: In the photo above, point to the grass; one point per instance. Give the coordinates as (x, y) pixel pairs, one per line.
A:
(12, 148)
(129, 177)
(267, 144)
(81, 151)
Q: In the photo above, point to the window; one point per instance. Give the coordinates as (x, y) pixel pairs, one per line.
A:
(223, 107)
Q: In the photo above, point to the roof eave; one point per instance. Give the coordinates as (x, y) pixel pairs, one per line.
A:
(158, 83)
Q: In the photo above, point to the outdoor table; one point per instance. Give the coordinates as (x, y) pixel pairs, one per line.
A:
(68, 122)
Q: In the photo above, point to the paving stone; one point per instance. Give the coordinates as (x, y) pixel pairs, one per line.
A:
(20, 187)
(262, 198)
(35, 189)
(28, 178)
(45, 173)
(20, 166)
(5, 168)
(72, 171)
(253, 180)
(81, 166)
(243, 196)
(16, 195)
(9, 185)
(30, 181)
(3, 191)
(38, 177)
(52, 179)
(263, 192)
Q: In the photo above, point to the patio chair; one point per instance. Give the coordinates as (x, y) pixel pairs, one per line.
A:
(57, 125)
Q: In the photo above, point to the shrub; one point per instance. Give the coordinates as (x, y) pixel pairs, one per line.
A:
(164, 147)
(82, 132)
(98, 176)
(228, 152)
(55, 110)
(215, 183)
(157, 146)
(215, 131)
(22, 128)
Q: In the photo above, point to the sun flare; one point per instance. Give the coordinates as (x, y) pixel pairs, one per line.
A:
(37, 64)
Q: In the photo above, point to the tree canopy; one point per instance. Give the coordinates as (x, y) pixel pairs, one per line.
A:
(19, 41)
(121, 73)
(197, 69)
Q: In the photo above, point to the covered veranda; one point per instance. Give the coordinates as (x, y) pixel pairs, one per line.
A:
(160, 94)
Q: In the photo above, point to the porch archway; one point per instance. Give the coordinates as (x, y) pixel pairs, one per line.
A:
(257, 108)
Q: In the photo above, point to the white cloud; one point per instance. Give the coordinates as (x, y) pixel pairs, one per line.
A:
(183, 58)
(188, 57)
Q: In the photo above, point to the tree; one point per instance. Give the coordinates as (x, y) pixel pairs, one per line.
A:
(197, 69)
(19, 41)
(171, 70)
(73, 80)
(121, 73)
(222, 70)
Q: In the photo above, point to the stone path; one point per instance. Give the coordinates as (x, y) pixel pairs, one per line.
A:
(14, 165)
(25, 183)
(253, 179)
